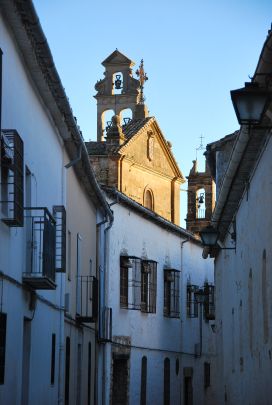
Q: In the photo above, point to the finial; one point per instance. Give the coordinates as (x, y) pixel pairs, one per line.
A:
(201, 147)
(142, 79)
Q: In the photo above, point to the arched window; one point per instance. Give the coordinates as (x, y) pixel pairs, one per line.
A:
(143, 380)
(125, 116)
(200, 204)
(106, 120)
(166, 390)
(117, 83)
(148, 199)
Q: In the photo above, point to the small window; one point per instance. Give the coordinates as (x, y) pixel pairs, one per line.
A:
(171, 293)
(209, 303)
(148, 286)
(207, 375)
(143, 380)
(53, 358)
(3, 327)
(148, 200)
(192, 305)
(166, 391)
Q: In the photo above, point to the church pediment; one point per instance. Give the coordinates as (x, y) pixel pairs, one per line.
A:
(117, 58)
(148, 148)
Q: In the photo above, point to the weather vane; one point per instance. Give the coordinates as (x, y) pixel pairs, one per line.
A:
(142, 79)
(201, 147)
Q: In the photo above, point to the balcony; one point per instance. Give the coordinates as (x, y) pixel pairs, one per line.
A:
(87, 299)
(41, 249)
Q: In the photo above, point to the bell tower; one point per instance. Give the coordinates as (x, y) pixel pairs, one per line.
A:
(201, 198)
(118, 91)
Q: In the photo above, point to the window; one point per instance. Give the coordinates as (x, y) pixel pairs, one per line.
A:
(69, 255)
(148, 200)
(53, 358)
(59, 214)
(78, 273)
(209, 303)
(1, 53)
(192, 305)
(148, 286)
(171, 293)
(3, 327)
(166, 390)
(207, 375)
(12, 178)
(143, 380)
(138, 283)
(67, 371)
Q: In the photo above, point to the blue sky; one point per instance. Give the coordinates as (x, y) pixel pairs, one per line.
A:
(194, 54)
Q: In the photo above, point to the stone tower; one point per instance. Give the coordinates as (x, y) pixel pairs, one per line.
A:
(118, 91)
(133, 155)
(201, 198)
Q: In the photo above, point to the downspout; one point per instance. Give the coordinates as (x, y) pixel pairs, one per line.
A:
(103, 298)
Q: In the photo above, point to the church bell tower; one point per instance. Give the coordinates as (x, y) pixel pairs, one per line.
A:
(119, 91)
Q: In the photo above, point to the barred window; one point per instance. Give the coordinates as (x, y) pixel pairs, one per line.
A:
(192, 305)
(171, 293)
(59, 214)
(138, 283)
(148, 286)
(209, 303)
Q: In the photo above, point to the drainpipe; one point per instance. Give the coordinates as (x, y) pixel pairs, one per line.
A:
(103, 298)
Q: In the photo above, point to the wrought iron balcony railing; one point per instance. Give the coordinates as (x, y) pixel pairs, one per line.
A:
(87, 299)
(40, 249)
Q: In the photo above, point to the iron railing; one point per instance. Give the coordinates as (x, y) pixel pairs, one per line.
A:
(192, 304)
(59, 214)
(87, 299)
(41, 248)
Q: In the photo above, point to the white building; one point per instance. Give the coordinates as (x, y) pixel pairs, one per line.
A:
(242, 166)
(160, 349)
(48, 288)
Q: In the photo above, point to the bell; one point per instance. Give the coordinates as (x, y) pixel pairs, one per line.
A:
(201, 199)
(118, 82)
(126, 120)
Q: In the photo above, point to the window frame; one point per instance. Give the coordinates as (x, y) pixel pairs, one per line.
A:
(191, 303)
(171, 301)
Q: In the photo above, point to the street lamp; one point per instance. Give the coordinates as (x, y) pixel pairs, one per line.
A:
(209, 236)
(250, 103)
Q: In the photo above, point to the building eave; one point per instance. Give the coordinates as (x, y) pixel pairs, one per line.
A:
(246, 151)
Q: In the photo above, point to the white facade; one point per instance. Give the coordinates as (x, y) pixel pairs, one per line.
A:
(135, 333)
(36, 365)
(243, 275)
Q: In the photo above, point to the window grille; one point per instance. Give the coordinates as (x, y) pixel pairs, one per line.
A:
(12, 178)
(138, 283)
(130, 282)
(209, 303)
(59, 214)
(171, 293)
(88, 303)
(192, 305)
(41, 248)
(148, 286)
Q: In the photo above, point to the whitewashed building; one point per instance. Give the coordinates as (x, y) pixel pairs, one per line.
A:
(159, 348)
(241, 165)
(50, 205)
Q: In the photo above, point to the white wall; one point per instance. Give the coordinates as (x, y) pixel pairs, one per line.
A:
(243, 298)
(152, 334)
